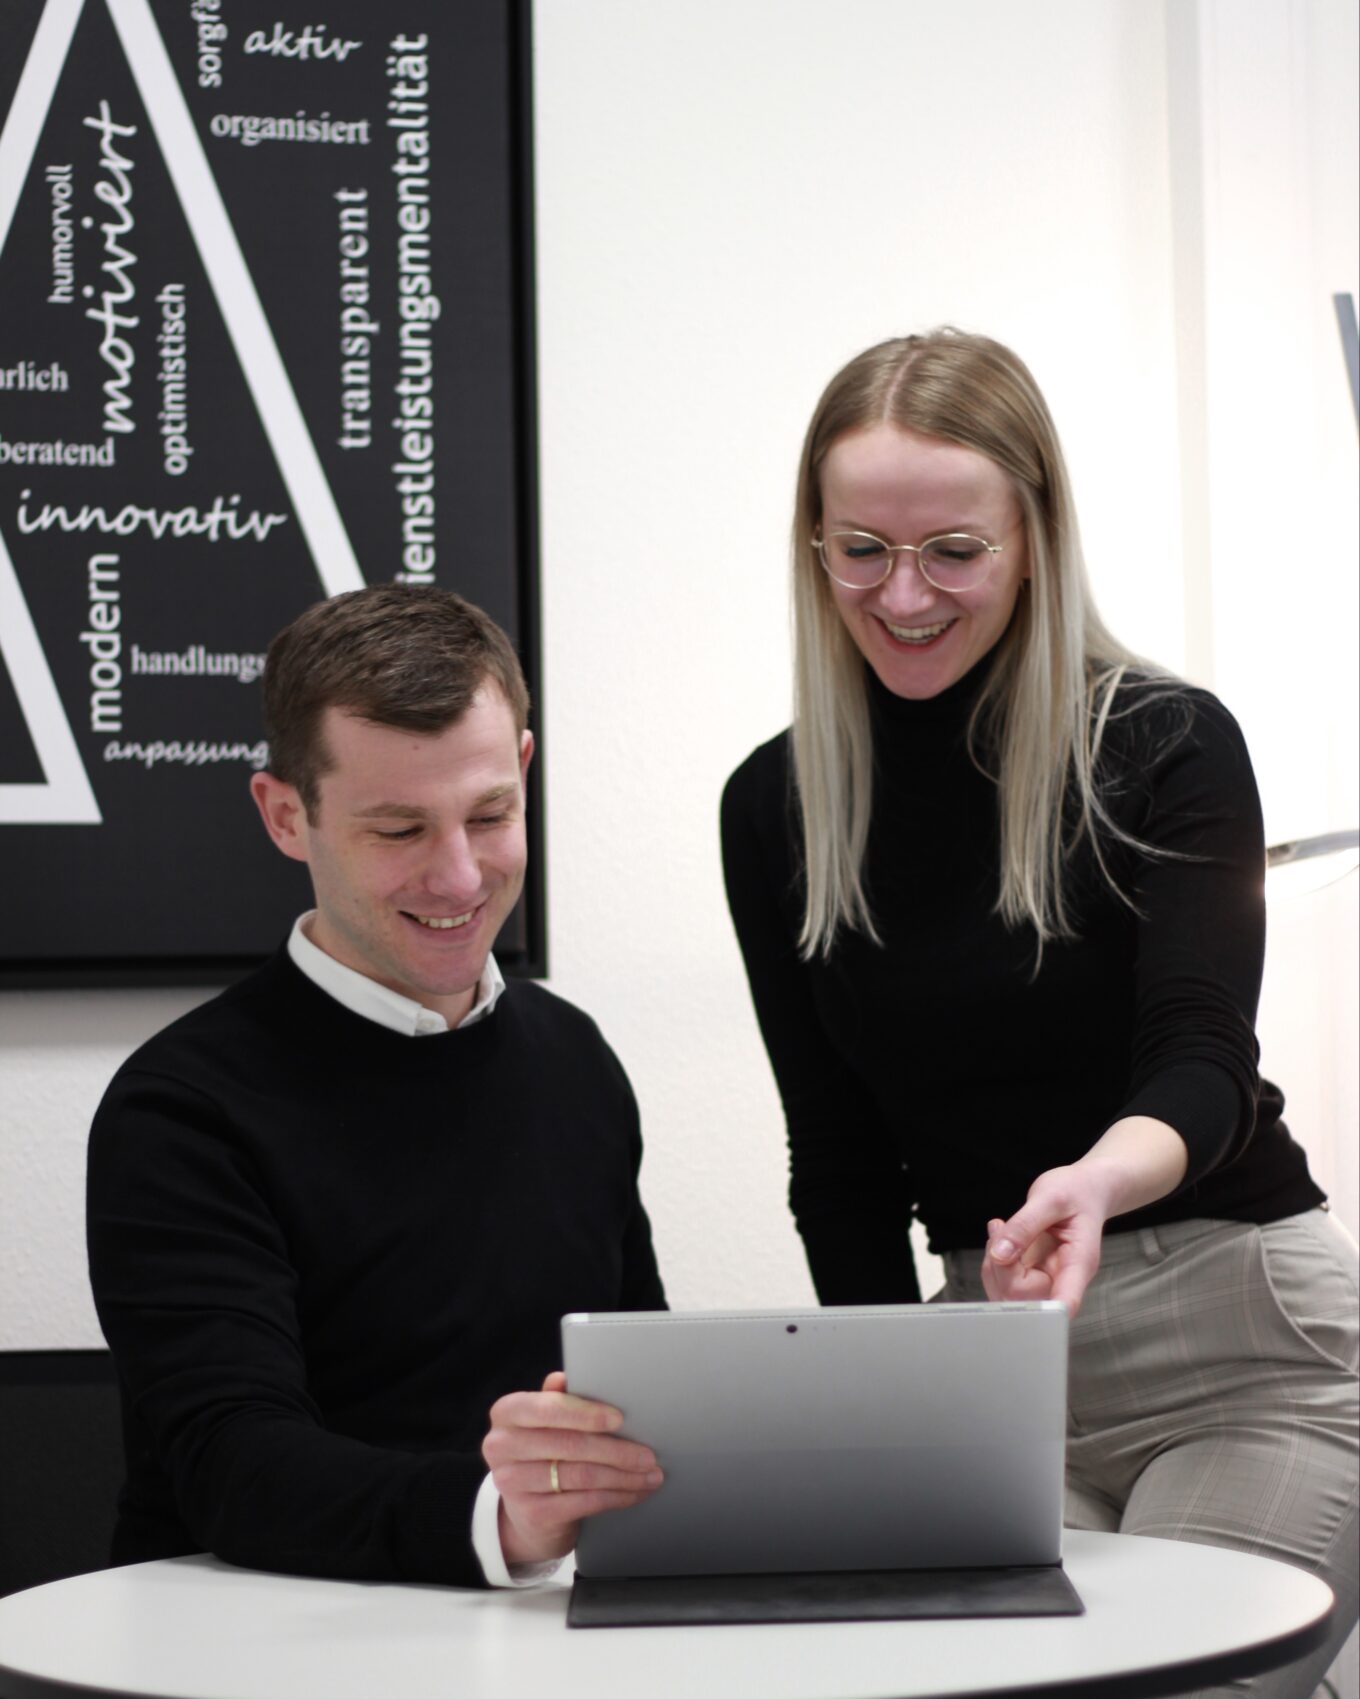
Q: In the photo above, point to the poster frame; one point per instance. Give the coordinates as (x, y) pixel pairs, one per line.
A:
(529, 959)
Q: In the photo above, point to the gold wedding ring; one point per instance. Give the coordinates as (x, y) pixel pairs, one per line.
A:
(553, 1481)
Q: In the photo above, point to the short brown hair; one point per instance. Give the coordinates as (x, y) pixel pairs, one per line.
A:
(406, 655)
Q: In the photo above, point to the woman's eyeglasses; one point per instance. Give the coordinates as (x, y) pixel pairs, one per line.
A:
(859, 560)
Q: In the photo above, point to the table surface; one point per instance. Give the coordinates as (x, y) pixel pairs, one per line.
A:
(1159, 1615)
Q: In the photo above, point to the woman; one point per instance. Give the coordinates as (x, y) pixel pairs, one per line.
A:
(999, 891)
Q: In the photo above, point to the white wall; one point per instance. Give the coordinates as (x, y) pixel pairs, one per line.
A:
(733, 197)
(732, 200)
(824, 177)
(1268, 231)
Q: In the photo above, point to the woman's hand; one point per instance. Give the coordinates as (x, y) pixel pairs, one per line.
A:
(1050, 1247)
(555, 1460)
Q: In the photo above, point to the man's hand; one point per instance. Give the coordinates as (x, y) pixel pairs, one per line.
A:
(533, 1431)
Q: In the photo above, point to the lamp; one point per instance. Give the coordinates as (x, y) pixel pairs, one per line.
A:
(1307, 864)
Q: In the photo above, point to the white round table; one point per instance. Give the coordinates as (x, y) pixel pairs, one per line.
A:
(1159, 1616)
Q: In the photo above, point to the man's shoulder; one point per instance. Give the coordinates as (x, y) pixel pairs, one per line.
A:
(219, 1031)
(555, 1039)
(545, 1014)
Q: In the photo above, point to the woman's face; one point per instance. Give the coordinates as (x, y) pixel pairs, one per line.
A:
(907, 488)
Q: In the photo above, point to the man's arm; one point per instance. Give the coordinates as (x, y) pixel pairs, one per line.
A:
(197, 1288)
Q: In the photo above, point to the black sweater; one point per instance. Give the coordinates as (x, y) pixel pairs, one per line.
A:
(935, 1075)
(320, 1250)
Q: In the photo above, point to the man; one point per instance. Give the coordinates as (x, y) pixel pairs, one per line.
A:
(336, 1213)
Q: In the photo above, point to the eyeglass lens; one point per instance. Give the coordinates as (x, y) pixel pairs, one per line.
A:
(860, 560)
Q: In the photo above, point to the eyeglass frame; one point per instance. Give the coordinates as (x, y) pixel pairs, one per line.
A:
(894, 549)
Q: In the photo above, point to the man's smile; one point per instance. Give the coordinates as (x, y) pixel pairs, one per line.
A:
(441, 922)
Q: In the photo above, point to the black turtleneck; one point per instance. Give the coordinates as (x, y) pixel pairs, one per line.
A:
(938, 1074)
(320, 1250)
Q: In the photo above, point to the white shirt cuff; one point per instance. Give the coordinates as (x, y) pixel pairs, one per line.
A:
(486, 1545)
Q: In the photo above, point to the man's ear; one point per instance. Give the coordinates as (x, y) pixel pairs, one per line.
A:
(285, 819)
(526, 754)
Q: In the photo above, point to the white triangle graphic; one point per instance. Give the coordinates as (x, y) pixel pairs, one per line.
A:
(236, 297)
(66, 797)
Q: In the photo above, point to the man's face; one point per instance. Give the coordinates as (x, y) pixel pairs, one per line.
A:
(417, 850)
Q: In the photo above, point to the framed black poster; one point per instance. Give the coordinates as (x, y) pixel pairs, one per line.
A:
(266, 334)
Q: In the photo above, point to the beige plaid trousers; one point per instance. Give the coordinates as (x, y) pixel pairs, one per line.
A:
(1212, 1397)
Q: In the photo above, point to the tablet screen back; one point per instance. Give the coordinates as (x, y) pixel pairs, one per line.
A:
(884, 1437)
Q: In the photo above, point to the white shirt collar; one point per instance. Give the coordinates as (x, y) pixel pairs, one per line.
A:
(364, 996)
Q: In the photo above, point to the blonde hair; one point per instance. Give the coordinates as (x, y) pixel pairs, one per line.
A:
(1038, 722)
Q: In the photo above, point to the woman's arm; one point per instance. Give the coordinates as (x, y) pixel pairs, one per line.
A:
(1191, 1102)
(849, 1193)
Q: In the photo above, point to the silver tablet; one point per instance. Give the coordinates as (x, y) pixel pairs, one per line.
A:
(883, 1437)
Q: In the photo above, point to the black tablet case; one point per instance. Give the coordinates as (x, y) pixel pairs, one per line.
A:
(667, 1601)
